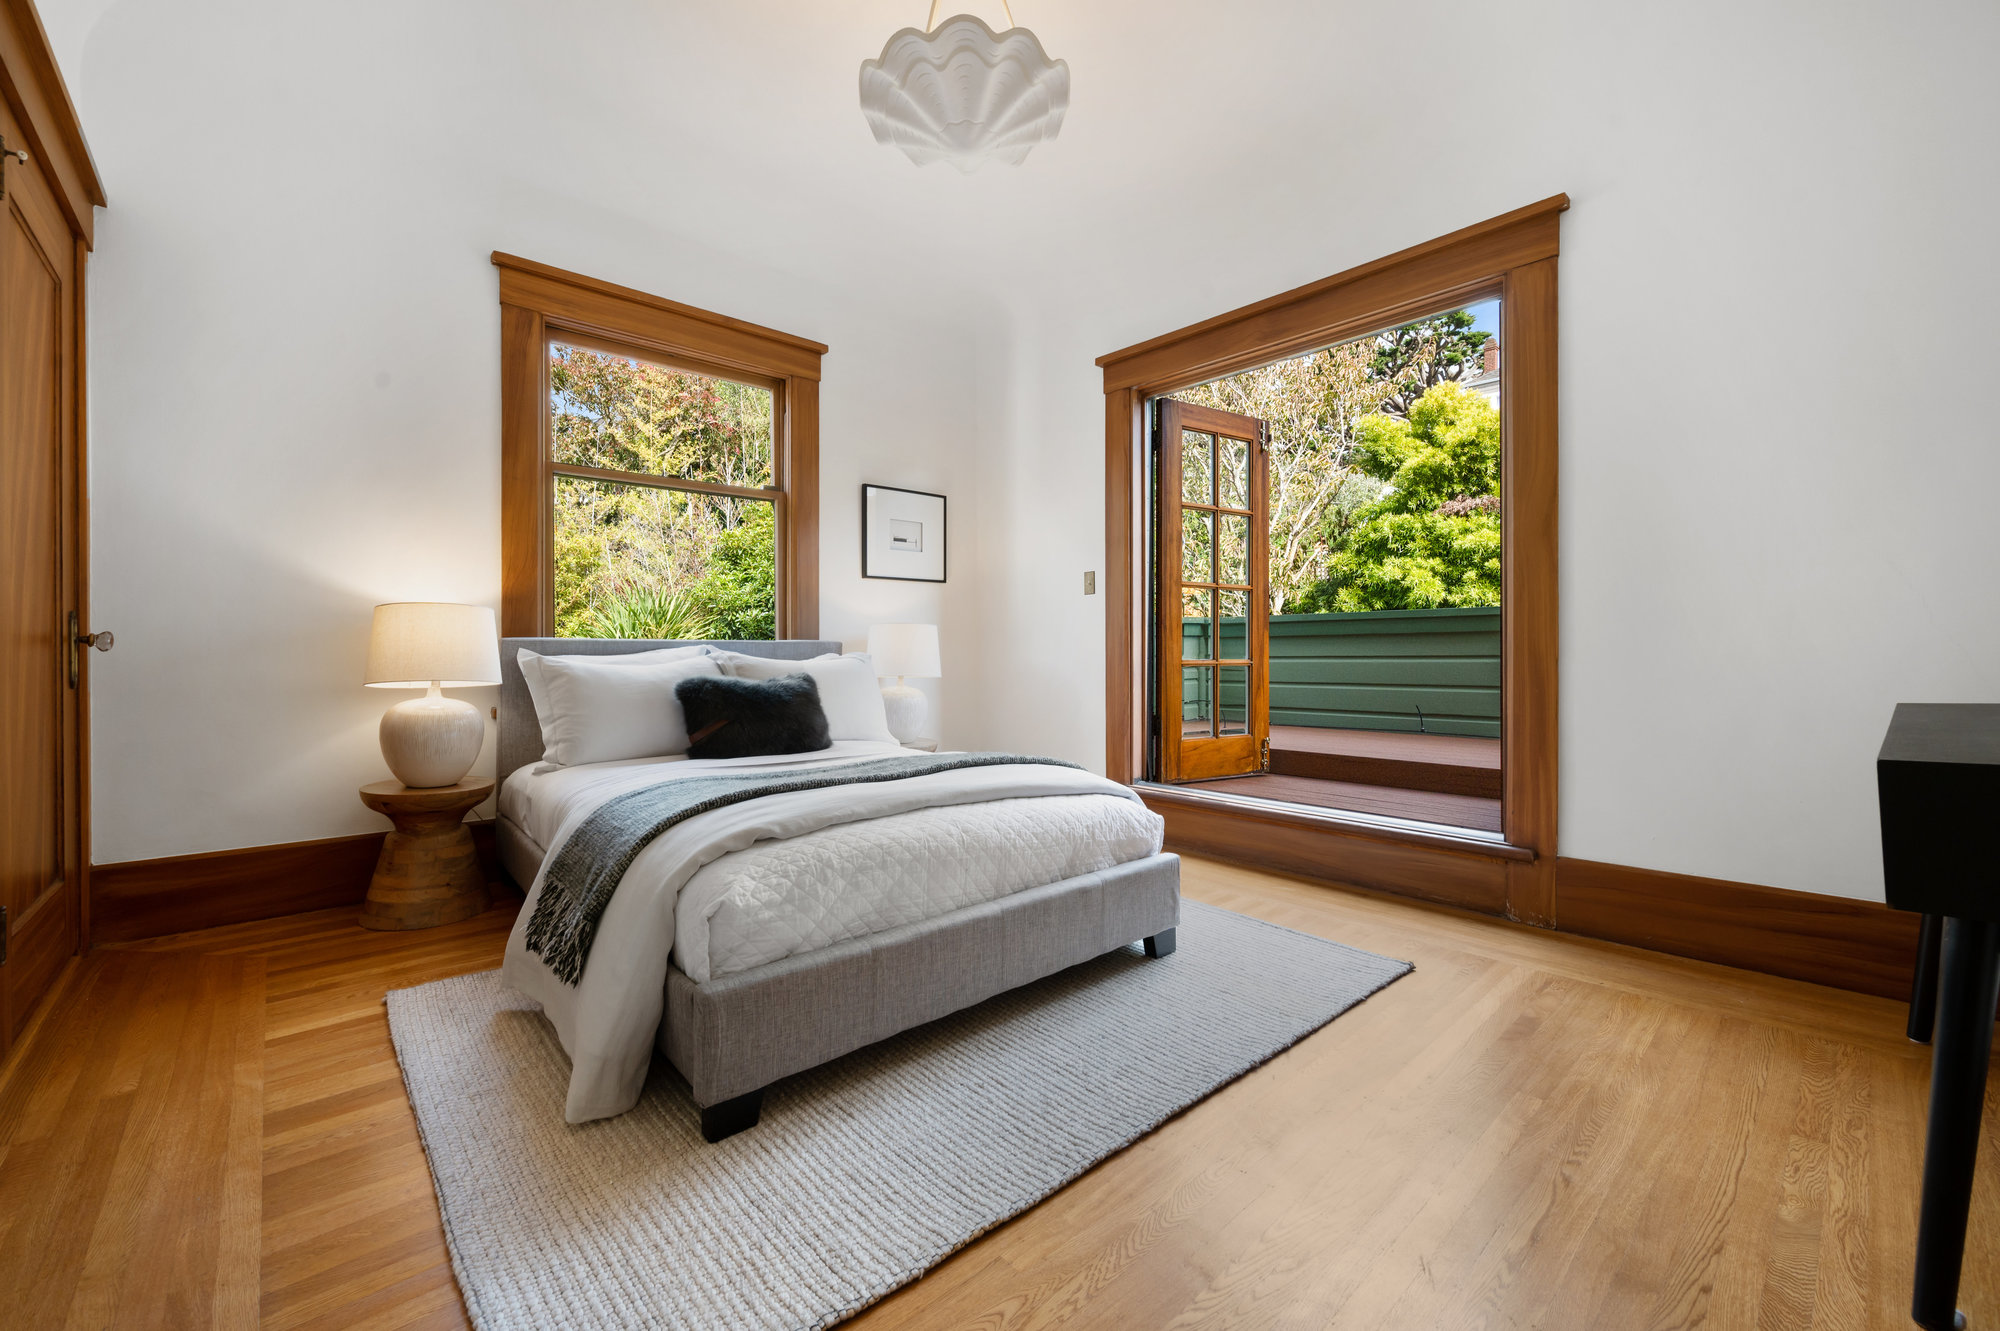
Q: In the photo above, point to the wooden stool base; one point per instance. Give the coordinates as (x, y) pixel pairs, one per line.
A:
(428, 873)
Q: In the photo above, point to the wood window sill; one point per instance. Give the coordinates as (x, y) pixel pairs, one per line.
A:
(1331, 820)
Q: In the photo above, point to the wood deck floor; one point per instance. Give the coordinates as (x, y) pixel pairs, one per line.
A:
(1449, 780)
(1531, 1130)
(1424, 806)
(1446, 764)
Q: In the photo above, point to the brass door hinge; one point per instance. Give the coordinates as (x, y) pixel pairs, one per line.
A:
(1267, 755)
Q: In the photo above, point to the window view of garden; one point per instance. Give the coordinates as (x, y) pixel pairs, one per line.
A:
(1384, 482)
(1384, 466)
(672, 530)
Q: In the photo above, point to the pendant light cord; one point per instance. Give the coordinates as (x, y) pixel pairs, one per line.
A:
(931, 22)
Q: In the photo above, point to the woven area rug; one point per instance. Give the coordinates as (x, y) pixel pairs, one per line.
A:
(864, 1173)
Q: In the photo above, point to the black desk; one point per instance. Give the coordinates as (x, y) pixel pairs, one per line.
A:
(1938, 778)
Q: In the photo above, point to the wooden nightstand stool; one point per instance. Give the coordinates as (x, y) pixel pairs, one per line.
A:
(429, 873)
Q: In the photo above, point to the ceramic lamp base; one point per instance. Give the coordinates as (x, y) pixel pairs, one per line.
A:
(433, 740)
(907, 710)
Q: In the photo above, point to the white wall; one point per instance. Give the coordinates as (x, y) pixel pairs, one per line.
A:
(295, 403)
(1777, 471)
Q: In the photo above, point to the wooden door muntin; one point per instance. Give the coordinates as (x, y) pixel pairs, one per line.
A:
(1203, 747)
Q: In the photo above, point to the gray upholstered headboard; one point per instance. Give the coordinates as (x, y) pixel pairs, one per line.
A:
(520, 740)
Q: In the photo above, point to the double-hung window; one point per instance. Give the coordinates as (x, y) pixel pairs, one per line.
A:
(659, 467)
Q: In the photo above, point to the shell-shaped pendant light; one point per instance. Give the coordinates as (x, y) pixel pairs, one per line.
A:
(962, 93)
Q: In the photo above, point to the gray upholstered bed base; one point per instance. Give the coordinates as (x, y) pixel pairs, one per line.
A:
(736, 1035)
(520, 855)
(739, 1033)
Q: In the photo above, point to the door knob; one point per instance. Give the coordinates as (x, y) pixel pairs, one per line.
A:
(101, 641)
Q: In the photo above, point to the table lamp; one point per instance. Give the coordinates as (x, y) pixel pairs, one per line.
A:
(432, 740)
(904, 650)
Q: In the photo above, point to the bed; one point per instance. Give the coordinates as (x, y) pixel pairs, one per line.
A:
(766, 937)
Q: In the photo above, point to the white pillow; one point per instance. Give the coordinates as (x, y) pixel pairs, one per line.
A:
(848, 690)
(599, 713)
(531, 671)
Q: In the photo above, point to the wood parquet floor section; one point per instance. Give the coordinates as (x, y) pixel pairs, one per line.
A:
(1529, 1131)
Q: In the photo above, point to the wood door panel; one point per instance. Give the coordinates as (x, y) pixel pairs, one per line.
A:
(41, 784)
(31, 600)
(40, 943)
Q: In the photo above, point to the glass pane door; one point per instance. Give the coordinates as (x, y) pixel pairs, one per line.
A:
(1214, 635)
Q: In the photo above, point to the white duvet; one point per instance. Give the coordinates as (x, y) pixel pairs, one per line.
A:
(788, 874)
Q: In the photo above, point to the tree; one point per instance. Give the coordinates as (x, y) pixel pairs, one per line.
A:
(631, 556)
(627, 415)
(1433, 537)
(1410, 360)
(1312, 404)
(739, 594)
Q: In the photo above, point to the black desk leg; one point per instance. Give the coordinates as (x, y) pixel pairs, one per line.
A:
(1958, 1096)
(1924, 985)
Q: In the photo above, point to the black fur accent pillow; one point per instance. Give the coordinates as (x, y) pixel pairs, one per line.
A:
(746, 718)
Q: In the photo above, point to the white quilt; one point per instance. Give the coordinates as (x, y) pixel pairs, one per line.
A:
(786, 874)
(777, 899)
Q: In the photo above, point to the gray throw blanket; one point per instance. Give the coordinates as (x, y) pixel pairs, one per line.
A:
(584, 873)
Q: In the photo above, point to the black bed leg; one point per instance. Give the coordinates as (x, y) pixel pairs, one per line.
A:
(1160, 944)
(732, 1116)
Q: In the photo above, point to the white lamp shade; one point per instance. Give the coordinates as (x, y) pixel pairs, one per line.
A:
(905, 649)
(417, 642)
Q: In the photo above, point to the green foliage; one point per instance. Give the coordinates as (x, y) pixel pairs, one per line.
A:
(649, 612)
(1433, 537)
(627, 415)
(739, 594)
(1311, 405)
(1322, 410)
(1410, 360)
(673, 563)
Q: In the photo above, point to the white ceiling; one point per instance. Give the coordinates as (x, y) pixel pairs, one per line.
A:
(736, 125)
(1212, 153)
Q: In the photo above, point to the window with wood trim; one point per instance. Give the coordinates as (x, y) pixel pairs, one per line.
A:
(660, 466)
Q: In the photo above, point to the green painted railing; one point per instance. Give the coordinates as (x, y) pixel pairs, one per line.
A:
(1373, 670)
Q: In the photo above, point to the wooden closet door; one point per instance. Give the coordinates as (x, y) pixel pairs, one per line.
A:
(40, 781)
(1214, 616)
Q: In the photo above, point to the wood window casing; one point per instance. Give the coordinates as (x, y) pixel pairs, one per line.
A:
(540, 304)
(1512, 257)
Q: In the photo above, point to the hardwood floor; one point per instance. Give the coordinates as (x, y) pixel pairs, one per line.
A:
(1532, 1130)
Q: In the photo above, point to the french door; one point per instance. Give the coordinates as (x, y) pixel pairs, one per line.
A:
(1213, 617)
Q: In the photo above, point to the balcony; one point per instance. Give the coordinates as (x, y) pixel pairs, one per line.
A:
(1394, 713)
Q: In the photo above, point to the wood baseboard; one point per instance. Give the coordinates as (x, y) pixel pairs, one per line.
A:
(1863, 946)
(180, 893)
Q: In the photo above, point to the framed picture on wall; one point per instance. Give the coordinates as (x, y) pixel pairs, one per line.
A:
(902, 534)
